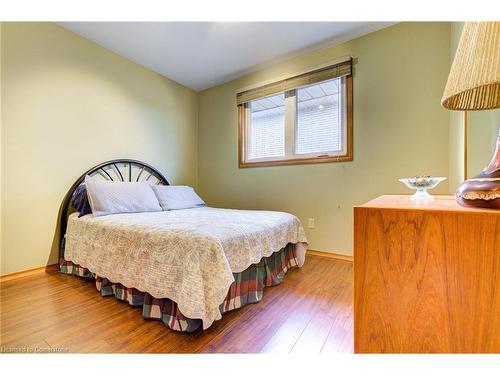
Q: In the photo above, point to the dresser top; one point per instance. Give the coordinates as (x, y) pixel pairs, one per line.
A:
(439, 203)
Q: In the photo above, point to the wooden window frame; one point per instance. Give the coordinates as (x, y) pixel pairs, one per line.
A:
(243, 125)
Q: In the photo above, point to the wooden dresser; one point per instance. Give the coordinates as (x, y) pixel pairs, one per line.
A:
(426, 277)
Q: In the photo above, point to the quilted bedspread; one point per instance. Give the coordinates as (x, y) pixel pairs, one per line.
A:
(188, 256)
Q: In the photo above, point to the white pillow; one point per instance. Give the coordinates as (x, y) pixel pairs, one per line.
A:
(177, 197)
(113, 197)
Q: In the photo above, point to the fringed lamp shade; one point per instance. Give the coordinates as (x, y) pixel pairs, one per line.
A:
(474, 80)
(474, 85)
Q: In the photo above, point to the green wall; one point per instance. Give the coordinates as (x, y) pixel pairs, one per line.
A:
(481, 141)
(400, 130)
(68, 104)
(456, 141)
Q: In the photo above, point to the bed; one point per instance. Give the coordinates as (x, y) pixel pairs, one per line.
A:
(184, 267)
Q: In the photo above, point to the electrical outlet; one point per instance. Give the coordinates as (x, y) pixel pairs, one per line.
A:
(310, 222)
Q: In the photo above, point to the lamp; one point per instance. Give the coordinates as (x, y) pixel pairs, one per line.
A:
(474, 85)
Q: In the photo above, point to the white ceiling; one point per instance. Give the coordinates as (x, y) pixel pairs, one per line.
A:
(200, 55)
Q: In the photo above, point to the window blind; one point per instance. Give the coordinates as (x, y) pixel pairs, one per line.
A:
(341, 69)
(267, 127)
(319, 122)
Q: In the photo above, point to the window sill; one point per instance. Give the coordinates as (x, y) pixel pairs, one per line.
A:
(314, 160)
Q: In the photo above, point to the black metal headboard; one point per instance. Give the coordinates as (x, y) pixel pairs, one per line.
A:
(113, 170)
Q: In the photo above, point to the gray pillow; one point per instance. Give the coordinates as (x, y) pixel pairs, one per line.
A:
(113, 197)
(177, 197)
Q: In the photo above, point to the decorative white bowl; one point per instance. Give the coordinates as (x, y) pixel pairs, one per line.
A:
(422, 184)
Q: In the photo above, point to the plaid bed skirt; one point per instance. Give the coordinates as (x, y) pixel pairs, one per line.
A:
(247, 288)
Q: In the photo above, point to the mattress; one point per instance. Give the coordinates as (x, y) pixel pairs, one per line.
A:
(188, 256)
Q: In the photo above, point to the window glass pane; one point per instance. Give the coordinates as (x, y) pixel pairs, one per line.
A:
(319, 118)
(267, 127)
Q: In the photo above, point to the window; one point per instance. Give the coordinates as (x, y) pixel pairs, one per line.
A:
(304, 119)
(267, 128)
(319, 118)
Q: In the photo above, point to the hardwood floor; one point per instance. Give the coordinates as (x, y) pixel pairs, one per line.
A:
(310, 312)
